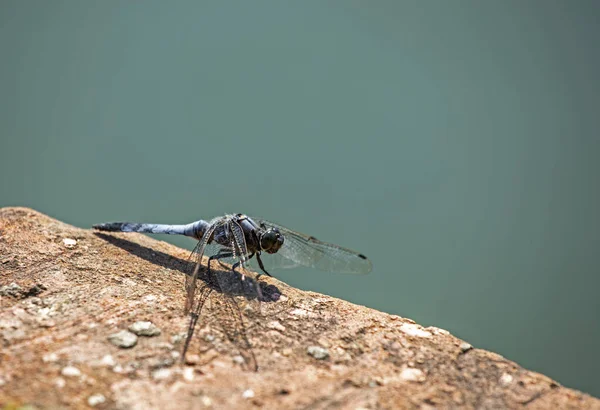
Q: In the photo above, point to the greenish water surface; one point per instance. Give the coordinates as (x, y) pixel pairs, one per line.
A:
(454, 143)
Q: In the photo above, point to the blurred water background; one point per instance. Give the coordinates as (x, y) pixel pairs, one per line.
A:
(454, 143)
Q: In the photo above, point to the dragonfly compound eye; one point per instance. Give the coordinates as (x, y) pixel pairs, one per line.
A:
(271, 241)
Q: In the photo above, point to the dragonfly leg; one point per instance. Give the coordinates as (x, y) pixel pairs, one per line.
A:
(237, 265)
(262, 267)
(223, 253)
(252, 281)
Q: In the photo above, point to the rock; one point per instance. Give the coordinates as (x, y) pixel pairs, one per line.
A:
(238, 359)
(465, 347)
(275, 325)
(162, 374)
(506, 379)
(144, 329)
(188, 374)
(108, 361)
(69, 243)
(123, 339)
(412, 375)
(318, 352)
(50, 358)
(374, 360)
(178, 338)
(12, 290)
(414, 330)
(96, 399)
(70, 371)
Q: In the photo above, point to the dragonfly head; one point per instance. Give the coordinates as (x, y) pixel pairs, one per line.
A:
(271, 240)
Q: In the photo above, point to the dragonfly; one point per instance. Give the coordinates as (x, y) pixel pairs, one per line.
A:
(235, 241)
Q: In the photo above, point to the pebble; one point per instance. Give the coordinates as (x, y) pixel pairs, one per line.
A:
(206, 401)
(107, 360)
(506, 379)
(50, 358)
(70, 371)
(299, 312)
(275, 325)
(192, 359)
(69, 243)
(414, 330)
(412, 375)
(161, 374)
(248, 394)
(123, 339)
(438, 331)
(176, 339)
(142, 328)
(13, 290)
(318, 352)
(96, 399)
(465, 347)
(188, 374)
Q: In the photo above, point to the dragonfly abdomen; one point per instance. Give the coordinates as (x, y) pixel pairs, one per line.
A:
(194, 229)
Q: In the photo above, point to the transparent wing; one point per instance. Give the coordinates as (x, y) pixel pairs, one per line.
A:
(203, 294)
(273, 262)
(223, 284)
(238, 245)
(197, 253)
(234, 328)
(308, 251)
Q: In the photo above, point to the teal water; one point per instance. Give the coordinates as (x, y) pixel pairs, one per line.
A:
(454, 143)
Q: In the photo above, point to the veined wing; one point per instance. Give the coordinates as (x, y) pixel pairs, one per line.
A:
(204, 293)
(308, 251)
(198, 252)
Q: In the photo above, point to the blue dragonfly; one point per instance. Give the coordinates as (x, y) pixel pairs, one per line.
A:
(235, 241)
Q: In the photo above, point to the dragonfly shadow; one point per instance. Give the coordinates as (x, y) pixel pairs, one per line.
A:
(229, 282)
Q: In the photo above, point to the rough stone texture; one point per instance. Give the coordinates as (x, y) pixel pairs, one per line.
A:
(72, 294)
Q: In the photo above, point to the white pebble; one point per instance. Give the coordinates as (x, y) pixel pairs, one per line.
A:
(123, 339)
(71, 371)
(506, 379)
(248, 394)
(414, 330)
(238, 359)
(161, 374)
(144, 328)
(96, 399)
(108, 361)
(465, 347)
(50, 357)
(188, 374)
(412, 375)
(69, 243)
(299, 312)
(317, 352)
(438, 331)
(275, 325)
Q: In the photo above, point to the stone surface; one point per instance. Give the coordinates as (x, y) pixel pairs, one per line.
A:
(107, 282)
